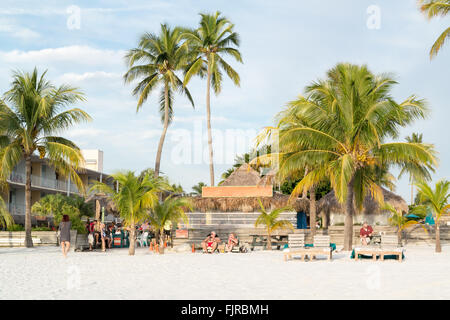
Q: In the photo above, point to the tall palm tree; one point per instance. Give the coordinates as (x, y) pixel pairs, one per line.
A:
(271, 222)
(38, 112)
(133, 199)
(155, 63)
(340, 131)
(213, 39)
(435, 8)
(417, 171)
(170, 210)
(438, 201)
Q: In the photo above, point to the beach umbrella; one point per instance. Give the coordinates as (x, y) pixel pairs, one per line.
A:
(412, 216)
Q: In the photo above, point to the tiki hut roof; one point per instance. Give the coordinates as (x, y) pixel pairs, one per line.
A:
(247, 204)
(105, 201)
(245, 175)
(329, 203)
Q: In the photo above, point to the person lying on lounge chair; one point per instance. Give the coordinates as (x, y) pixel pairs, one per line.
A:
(233, 241)
(211, 242)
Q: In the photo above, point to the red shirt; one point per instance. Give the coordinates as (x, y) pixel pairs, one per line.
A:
(365, 232)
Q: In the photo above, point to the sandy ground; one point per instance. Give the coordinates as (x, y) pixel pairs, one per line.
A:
(42, 273)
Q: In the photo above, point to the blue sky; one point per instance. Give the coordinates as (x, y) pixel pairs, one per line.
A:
(285, 45)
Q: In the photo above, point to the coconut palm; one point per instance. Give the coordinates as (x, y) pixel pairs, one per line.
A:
(171, 210)
(208, 44)
(133, 199)
(155, 63)
(435, 8)
(438, 201)
(417, 171)
(38, 112)
(198, 188)
(398, 220)
(339, 130)
(271, 222)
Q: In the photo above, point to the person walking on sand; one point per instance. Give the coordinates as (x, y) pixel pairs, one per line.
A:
(64, 234)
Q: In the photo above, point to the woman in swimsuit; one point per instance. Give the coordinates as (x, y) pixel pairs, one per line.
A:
(211, 241)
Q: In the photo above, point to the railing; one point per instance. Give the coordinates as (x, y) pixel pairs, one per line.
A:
(37, 181)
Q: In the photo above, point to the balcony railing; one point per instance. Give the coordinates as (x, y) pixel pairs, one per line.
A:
(41, 182)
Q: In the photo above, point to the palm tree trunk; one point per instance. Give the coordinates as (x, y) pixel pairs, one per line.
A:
(163, 134)
(312, 211)
(304, 192)
(269, 240)
(161, 240)
(28, 240)
(348, 222)
(438, 237)
(131, 250)
(208, 124)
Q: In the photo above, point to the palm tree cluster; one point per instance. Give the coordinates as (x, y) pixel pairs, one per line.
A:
(137, 200)
(343, 130)
(160, 58)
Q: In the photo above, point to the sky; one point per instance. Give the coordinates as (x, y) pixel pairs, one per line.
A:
(285, 46)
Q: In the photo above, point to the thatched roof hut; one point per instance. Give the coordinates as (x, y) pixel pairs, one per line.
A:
(372, 213)
(245, 175)
(247, 204)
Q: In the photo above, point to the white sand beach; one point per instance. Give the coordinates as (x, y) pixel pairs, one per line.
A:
(42, 273)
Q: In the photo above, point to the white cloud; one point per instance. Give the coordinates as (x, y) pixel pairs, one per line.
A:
(70, 55)
(96, 75)
(19, 32)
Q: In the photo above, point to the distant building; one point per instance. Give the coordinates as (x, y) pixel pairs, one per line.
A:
(93, 159)
(44, 181)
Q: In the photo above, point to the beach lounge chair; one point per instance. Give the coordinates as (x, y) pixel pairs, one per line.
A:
(389, 247)
(321, 247)
(296, 244)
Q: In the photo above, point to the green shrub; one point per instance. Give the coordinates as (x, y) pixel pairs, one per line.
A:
(16, 227)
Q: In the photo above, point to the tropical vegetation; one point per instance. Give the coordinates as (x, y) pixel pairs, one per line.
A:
(134, 198)
(401, 222)
(342, 130)
(170, 211)
(37, 112)
(271, 222)
(437, 201)
(58, 205)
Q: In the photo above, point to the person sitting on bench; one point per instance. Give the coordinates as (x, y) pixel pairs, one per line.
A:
(233, 241)
(365, 234)
(210, 243)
